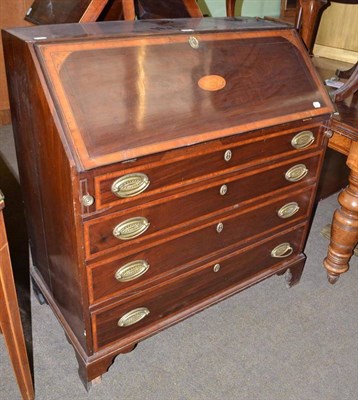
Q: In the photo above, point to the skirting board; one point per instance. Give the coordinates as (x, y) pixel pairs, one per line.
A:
(335, 53)
(5, 117)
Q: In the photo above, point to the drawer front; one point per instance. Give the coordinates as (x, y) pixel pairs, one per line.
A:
(138, 184)
(188, 249)
(150, 307)
(110, 232)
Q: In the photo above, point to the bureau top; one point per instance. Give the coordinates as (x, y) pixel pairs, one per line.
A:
(145, 27)
(122, 90)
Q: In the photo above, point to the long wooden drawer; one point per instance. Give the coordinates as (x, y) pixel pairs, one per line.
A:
(197, 163)
(155, 304)
(105, 279)
(140, 225)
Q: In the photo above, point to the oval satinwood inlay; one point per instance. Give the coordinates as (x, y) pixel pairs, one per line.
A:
(212, 83)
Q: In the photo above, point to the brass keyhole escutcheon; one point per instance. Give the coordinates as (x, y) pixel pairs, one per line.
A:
(216, 267)
(194, 42)
(223, 190)
(227, 155)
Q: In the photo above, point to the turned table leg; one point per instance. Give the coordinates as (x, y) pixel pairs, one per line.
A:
(344, 235)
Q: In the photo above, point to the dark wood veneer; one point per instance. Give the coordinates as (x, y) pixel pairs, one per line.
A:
(172, 172)
(165, 219)
(92, 102)
(194, 286)
(195, 244)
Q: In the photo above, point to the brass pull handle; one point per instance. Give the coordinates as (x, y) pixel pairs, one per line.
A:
(132, 317)
(296, 173)
(131, 271)
(282, 250)
(288, 210)
(130, 185)
(131, 228)
(302, 140)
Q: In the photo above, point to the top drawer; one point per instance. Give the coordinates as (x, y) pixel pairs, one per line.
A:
(140, 183)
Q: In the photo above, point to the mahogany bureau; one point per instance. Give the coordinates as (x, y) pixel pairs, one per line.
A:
(165, 166)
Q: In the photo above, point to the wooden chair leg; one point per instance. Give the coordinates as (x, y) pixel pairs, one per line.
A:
(230, 8)
(311, 11)
(350, 87)
(10, 320)
(128, 10)
(346, 74)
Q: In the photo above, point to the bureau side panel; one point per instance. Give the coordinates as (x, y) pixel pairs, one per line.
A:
(21, 113)
(49, 184)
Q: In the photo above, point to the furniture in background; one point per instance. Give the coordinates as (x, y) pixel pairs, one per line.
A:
(10, 322)
(344, 126)
(11, 14)
(344, 233)
(112, 255)
(109, 10)
(309, 15)
(148, 9)
(287, 11)
(344, 139)
(43, 12)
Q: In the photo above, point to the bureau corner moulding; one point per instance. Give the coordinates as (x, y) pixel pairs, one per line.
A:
(165, 165)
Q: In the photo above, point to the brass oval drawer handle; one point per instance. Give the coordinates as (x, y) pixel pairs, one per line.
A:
(130, 185)
(288, 210)
(131, 271)
(132, 317)
(302, 140)
(282, 250)
(131, 228)
(296, 173)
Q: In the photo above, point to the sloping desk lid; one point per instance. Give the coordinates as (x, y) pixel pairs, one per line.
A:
(122, 98)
